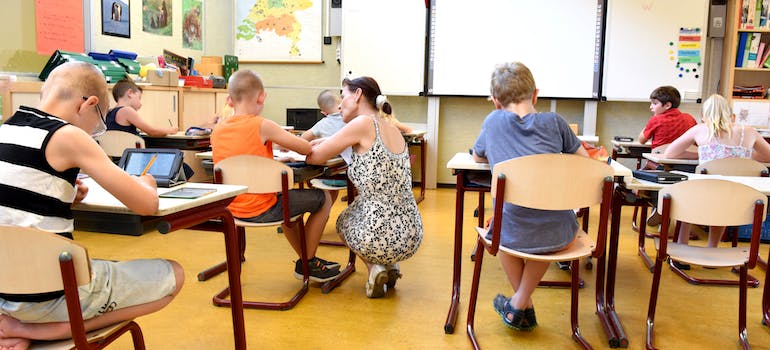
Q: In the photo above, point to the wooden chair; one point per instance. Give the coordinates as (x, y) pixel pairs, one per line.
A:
(716, 203)
(113, 142)
(56, 263)
(261, 175)
(548, 182)
(728, 167)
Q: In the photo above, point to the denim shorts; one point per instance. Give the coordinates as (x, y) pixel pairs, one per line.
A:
(300, 201)
(114, 285)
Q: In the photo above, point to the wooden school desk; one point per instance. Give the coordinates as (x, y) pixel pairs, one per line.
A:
(176, 214)
(178, 141)
(668, 164)
(463, 165)
(630, 149)
(417, 138)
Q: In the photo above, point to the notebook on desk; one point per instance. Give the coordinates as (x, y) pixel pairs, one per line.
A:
(659, 176)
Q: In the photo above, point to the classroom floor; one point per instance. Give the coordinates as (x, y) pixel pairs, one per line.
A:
(412, 316)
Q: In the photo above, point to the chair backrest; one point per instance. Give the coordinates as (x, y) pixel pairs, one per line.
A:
(732, 167)
(553, 181)
(30, 260)
(712, 202)
(260, 174)
(113, 142)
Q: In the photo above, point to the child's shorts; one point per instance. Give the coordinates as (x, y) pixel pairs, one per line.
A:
(300, 201)
(114, 285)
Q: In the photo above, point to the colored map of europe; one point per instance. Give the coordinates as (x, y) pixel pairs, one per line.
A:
(277, 16)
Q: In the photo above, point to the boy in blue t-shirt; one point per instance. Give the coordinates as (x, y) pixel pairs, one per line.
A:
(515, 129)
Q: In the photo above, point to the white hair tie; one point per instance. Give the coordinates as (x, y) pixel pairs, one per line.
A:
(381, 100)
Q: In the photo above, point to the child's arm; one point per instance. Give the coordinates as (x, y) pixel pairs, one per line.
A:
(71, 147)
(678, 148)
(271, 131)
(643, 139)
(131, 116)
(308, 135)
(761, 148)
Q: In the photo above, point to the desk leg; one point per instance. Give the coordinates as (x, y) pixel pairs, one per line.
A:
(605, 293)
(451, 319)
(422, 171)
(218, 210)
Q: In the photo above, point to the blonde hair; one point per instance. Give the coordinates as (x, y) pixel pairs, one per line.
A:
(75, 80)
(512, 82)
(717, 115)
(244, 83)
(328, 100)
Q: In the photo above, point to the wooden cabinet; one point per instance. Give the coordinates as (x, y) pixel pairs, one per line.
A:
(200, 105)
(20, 94)
(731, 75)
(160, 107)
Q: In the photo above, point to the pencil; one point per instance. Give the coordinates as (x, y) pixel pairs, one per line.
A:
(149, 164)
(170, 123)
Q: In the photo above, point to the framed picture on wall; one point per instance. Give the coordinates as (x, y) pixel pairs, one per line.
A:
(116, 18)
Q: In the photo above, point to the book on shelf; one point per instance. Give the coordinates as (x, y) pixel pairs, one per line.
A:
(749, 10)
(746, 49)
(760, 54)
(751, 54)
(764, 14)
(742, 38)
(758, 13)
(763, 59)
(752, 92)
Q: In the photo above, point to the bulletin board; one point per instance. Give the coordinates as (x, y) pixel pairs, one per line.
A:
(650, 43)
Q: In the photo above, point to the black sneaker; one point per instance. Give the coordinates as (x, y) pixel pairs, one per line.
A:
(563, 265)
(328, 264)
(318, 272)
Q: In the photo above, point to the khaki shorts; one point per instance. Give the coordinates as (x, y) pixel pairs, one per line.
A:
(114, 285)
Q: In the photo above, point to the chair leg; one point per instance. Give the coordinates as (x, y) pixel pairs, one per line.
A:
(474, 294)
(136, 336)
(575, 280)
(653, 303)
(345, 273)
(642, 228)
(743, 335)
(750, 281)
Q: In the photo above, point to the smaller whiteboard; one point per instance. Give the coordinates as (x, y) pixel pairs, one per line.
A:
(645, 39)
(386, 41)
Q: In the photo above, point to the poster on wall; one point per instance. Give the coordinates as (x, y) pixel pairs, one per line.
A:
(192, 19)
(278, 31)
(156, 17)
(116, 18)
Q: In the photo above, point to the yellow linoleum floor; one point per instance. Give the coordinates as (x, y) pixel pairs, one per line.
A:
(412, 316)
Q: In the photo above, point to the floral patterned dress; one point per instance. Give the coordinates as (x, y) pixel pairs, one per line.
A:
(383, 224)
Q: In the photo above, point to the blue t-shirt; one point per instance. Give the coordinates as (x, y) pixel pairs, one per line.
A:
(505, 135)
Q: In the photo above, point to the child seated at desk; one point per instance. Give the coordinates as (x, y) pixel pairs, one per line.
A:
(125, 116)
(667, 122)
(41, 152)
(515, 129)
(246, 132)
(718, 137)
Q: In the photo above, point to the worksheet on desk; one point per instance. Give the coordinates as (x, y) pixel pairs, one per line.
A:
(293, 156)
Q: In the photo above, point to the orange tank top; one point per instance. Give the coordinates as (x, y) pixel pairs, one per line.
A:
(241, 135)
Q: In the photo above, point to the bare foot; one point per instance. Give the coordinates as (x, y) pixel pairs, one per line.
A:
(8, 341)
(14, 344)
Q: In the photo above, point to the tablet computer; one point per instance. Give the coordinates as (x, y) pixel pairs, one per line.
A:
(187, 193)
(166, 167)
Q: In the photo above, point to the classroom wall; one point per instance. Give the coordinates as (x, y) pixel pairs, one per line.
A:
(292, 85)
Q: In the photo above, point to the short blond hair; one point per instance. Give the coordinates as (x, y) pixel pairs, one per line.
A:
(512, 82)
(76, 80)
(328, 100)
(244, 83)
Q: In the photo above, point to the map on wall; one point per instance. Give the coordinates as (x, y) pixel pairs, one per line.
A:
(278, 30)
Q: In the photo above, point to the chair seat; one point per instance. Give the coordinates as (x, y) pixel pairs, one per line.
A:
(239, 222)
(319, 184)
(582, 246)
(68, 344)
(704, 256)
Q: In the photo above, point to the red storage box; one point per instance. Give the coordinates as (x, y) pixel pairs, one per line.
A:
(197, 81)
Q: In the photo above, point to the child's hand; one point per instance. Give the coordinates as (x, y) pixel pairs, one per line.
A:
(148, 180)
(317, 141)
(81, 191)
(172, 130)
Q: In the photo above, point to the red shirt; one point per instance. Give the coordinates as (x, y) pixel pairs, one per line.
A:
(666, 127)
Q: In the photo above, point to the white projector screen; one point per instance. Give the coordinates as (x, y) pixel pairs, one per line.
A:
(559, 40)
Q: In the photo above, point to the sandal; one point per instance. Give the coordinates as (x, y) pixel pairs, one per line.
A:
(523, 320)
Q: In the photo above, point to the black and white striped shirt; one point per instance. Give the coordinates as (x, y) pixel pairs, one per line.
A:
(32, 194)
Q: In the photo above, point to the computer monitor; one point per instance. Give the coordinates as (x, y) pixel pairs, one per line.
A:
(166, 168)
(303, 118)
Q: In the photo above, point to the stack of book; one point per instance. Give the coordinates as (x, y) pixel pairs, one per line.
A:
(750, 92)
(751, 52)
